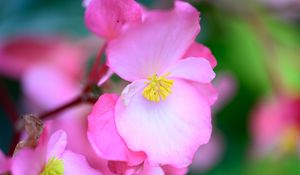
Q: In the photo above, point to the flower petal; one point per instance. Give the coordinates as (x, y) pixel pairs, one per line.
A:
(154, 45)
(4, 163)
(170, 131)
(152, 171)
(103, 134)
(57, 144)
(207, 90)
(119, 167)
(208, 155)
(199, 50)
(19, 54)
(74, 122)
(194, 69)
(106, 18)
(105, 77)
(169, 170)
(42, 92)
(28, 161)
(76, 164)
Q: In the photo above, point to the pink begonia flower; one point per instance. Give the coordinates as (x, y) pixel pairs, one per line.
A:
(275, 125)
(5, 163)
(108, 144)
(108, 18)
(149, 117)
(50, 157)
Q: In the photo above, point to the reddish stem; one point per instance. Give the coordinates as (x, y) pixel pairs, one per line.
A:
(96, 72)
(48, 114)
(86, 96)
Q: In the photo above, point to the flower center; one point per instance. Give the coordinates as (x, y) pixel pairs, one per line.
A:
(54, 167)
(158, 88)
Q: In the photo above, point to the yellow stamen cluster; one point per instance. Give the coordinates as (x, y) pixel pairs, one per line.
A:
(159, 87)
(54, 167)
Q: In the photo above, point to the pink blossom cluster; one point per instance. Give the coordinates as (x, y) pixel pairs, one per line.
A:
(275, 126)
(153, 127)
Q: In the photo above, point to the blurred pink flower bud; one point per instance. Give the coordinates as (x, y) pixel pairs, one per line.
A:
(107, 18)
(208, 155)
(275, 126)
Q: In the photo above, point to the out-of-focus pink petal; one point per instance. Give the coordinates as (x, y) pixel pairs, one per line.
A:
(208, 155)
(49, 87)
(107, 18)
(103, 134)
(28, 161)
(170, 131)
(267, 125)
(4, 163)
(169, 170)
(275, 125)
(69, 58)
(76, 164)
(226, 85)
(194, 69)
(86, 3)
(19, 54)
(56, 144)
(207, 90)
(154, 45)
(199, 50)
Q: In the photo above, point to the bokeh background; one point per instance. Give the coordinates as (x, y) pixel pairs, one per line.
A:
(257, 46)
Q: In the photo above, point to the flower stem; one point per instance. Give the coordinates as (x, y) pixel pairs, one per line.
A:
(48, 114)
(98, 69)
